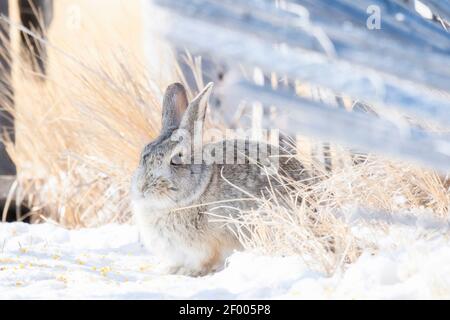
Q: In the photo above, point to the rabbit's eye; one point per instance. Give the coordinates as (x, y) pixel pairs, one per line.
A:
(177, 159)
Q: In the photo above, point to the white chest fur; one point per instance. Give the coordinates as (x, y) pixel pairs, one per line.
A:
(173, 238)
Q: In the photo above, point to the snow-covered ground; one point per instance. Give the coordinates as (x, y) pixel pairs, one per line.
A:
(46, 261)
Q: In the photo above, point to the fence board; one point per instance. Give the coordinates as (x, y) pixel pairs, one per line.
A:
(360, 130)
(403, 67)
(439, 7)
(360, 82)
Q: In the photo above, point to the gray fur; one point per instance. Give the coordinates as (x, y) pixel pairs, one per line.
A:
(174, 204)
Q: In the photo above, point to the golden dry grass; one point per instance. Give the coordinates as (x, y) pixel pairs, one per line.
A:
(79, 133)
(314, 223)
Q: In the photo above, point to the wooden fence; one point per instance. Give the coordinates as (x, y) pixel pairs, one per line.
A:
(401, 69)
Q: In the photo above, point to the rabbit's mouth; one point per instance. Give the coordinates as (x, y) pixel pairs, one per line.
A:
(153, 188)
(159, 188)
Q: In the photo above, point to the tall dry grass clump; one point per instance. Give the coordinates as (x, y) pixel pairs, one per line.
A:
(86, 143)
(317, 219)
(79, 129)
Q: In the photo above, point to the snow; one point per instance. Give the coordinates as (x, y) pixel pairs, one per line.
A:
(48, 261)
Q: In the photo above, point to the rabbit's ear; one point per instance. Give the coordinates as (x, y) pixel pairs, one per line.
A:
(175, 104)
(197, 109)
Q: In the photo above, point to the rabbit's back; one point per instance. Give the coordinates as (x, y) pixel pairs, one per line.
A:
(235, 187)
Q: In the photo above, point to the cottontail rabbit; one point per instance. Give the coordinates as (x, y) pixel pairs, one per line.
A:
(171, 196)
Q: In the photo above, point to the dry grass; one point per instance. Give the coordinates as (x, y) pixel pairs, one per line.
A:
(76, 150)
(312, 219)
(80, 132)
(80, 128)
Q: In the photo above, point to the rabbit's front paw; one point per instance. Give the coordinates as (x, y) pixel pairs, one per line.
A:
(181, 270)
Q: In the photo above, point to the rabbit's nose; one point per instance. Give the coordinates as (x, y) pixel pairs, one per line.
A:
(145, 157)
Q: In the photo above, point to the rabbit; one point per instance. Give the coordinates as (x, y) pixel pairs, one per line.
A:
(174, 202)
